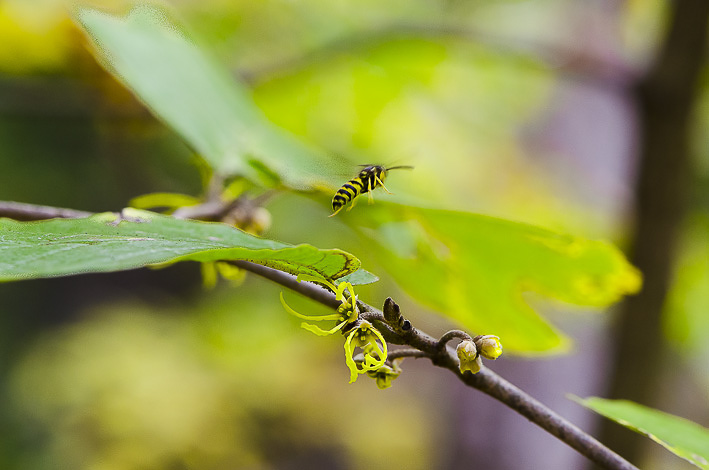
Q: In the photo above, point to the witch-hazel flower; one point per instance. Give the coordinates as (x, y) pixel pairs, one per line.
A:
(359, 333)
(347, 312)
(374, 356)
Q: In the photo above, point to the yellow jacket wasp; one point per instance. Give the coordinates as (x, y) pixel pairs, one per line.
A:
(366, 181)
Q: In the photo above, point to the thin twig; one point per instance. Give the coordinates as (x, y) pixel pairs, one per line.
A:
(405, 352)
(310, 290)
(453, 334)
(210, 210)
(23, 211)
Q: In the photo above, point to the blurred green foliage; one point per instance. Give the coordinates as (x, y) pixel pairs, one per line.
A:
(178, 82)
(206, 385)
(229, 383)
(687, 320)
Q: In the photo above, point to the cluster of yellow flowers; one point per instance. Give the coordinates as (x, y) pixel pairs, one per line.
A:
(359, 334)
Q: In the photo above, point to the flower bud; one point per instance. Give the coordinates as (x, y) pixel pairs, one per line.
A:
(468, 356)
(489, 346)
(476, 365)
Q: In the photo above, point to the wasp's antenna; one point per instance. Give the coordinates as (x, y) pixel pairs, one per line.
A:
(400, 167)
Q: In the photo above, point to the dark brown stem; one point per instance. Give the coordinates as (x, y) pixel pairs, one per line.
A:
(491, 384)
(308, 289)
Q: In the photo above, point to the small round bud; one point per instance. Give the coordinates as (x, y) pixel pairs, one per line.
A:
(489, 346)
(468, 356)
(466, 350)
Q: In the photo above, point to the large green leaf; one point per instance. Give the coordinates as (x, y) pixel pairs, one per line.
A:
(680, 436)
(200, 100)
(475, 269)
(109, 242)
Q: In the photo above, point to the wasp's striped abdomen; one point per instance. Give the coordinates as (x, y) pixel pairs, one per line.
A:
(347, 192)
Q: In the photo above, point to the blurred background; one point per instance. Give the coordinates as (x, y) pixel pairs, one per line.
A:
(584, 117)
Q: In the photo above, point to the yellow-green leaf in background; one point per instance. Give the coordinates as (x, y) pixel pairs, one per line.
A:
(167, 200)
(682, 437)
(474, 269)
(208, 107)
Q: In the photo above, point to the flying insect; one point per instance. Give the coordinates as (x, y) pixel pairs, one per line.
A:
(366, 181)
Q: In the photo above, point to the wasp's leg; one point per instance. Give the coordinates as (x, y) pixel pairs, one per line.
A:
(351, 204)
(338, 210)
(370, 192)
(381, 183)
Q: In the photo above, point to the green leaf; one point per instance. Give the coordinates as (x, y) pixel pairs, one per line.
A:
(682, 437)
(109, 242)
(475, 269)
(200, 100)
(358, 278)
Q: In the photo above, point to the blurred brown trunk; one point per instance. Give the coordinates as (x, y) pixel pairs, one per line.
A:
(665, 99)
